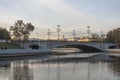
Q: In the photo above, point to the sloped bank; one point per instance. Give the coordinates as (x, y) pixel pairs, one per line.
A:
(87, 58)
(8, 53)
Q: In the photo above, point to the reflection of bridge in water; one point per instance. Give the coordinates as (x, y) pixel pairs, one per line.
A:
(21, 71)
(85, 46)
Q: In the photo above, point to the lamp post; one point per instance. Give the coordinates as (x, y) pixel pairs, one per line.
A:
(103, 39)
(48, 33)
(74, 34)
(88, 31)
(38, 39)
(102, 36)
(58, 31)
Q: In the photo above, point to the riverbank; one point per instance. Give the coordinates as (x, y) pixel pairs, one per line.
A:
(4, 45)
(14, 53)
(22, 52)
(92, 57)
(113, 52)
(63, 51)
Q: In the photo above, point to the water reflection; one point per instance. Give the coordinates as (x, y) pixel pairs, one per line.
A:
(40, 69)
(5, 65)
(58, 71)
(115, 67)
(21, 71)
(4, 71)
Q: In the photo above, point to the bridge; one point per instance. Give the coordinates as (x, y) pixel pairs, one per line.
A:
(85, 46)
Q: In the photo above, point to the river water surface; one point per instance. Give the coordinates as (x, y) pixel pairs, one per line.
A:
(38, 69)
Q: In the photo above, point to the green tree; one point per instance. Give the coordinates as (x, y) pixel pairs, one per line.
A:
(20, 30)
(95, 37)
(16, 30)
(26, 30)
(113, 36)
(4, 34)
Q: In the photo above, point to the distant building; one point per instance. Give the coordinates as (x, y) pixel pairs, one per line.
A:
(80, 39)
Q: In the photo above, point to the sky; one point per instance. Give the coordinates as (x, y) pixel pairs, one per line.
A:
(100, 15)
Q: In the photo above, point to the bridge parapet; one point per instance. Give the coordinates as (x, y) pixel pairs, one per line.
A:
(54, 44)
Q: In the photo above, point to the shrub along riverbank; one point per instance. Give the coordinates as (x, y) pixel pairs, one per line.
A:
(9, 46)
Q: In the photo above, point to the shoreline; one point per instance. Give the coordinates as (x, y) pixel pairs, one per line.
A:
(22, 52)
(16, 53)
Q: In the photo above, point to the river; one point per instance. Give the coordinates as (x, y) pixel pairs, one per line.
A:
(41, 68)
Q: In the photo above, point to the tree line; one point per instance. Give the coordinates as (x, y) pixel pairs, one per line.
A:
(4, 34)
(21, 31)
(113, 36)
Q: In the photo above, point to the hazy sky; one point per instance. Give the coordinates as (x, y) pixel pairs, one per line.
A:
(101, 15)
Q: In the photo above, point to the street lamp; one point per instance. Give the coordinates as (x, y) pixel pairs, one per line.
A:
(74, 34)
(102, 36)
(58, 31)
(88, 31)
(48, 33)
(103, 39)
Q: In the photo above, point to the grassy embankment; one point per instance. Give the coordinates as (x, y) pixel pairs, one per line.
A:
(9, 46)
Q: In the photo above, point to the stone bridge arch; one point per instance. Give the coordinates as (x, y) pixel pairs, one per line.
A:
(89, 47)
(34, 46)
(84, 48)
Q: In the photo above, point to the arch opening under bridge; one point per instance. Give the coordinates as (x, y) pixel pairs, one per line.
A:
(34, 46)
(84, 48)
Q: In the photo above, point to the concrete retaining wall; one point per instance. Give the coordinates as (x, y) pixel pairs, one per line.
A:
(25, 51)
